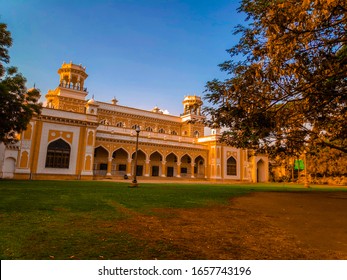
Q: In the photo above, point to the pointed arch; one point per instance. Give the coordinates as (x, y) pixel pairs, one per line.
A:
(231, 166)
(58, 154)
(141, 155)
(101, 155)
(199, 166)
(171, 164)
(88, 163)
(90, 139)
(156, 159)
(141, 162)
(120, 124)
(171, 157)
(199, 158)
(186, 165)
(100, 148)
(156, 156)
(186, 158)
(9, 167)
(119, 161)
(120, 152)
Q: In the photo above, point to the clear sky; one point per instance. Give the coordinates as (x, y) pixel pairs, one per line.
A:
(146, 53)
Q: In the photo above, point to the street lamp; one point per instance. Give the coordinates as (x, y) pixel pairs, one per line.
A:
(134, 183)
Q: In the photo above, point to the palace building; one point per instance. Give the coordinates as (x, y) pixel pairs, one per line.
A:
(76, 138)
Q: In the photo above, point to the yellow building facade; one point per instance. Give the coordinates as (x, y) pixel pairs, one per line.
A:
(80, 138)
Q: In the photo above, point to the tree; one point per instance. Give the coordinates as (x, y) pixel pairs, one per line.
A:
(17, 104)
(286, 85)
(326, 162)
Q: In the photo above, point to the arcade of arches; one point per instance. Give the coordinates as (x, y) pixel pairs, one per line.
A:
(156, 163)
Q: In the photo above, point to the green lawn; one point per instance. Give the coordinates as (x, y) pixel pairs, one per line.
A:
(61, 219)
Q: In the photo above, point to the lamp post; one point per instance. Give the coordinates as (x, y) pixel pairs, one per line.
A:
(134, 183)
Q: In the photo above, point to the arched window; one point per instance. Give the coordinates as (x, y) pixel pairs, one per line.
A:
(196, 134)
(161, 130)
(105, 122)
(58, 154)
(173, 132)
(120, 124)
(149, 129)
(135, 126)
(231, 166)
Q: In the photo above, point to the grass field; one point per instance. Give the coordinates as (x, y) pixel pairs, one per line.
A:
(88, 220)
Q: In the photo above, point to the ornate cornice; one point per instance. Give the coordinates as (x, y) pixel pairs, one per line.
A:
(146, 141)
(100, 139)
(137, 113)
(68, 121)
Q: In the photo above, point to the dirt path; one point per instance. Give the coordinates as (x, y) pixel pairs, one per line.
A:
(267, 225)
(315, 220)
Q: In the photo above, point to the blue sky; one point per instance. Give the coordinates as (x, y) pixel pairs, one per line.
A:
(145, 53)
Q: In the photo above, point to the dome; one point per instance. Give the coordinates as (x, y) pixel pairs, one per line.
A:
(157, 110)
(91, 101)
(192, 99)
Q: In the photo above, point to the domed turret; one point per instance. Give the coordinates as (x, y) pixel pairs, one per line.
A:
(92, 106)
(72, 76)
(192, 105)
(91, 101)
(157, 110)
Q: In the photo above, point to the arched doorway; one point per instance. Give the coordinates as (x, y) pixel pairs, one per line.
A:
(186, 166)
(261, 172)
(156, 163)
(9, 168)
(199, 167)
(119, 162)
(171, 165)
(141, 162)
(100, 161)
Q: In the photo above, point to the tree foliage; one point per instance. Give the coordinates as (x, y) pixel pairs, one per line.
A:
(17, 104)
(288, 90)
(327, 162)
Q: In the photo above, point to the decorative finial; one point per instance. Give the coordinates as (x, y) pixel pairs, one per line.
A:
(114, 101)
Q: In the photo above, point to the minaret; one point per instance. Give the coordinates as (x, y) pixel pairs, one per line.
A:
(70, 94)
(192, 119)
(192, 105)
(72, 77)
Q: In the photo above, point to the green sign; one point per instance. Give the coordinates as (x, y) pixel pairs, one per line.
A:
(299, 164)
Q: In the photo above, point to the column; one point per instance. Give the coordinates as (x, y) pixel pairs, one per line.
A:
(192, 168)
(109, 166)
(163, 168)
(129, 171)
(178, 169)
(206, 170)
(147, 168)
